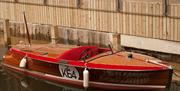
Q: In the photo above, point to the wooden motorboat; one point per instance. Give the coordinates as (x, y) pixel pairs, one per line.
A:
(89, 67)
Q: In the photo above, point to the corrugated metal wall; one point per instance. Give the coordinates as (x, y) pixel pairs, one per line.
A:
(132, 17)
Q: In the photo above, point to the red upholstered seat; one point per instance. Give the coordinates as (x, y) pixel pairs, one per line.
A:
(75, 53)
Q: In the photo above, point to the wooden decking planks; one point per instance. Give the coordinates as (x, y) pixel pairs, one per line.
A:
(52, 51)
(122, 59)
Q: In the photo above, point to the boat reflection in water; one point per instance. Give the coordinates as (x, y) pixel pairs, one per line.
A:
(11, 81)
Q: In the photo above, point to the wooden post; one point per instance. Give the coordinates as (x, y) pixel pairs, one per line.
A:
(116, 41)
(54, 34)
(165, 6)
(7, 36)
(78, 3)
(45, 2)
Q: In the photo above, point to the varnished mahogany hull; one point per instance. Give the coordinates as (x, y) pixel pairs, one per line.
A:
(99, 78)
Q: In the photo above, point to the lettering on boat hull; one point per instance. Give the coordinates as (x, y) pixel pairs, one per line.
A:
(68, 72)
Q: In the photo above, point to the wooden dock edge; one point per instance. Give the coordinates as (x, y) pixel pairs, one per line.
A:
(151, 44)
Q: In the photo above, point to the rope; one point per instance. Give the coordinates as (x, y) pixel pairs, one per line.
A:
(175, 73)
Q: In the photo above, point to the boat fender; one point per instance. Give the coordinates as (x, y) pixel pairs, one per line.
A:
(22, 63)
(85, 78)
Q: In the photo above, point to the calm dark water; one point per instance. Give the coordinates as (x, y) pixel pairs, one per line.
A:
(11, 81)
